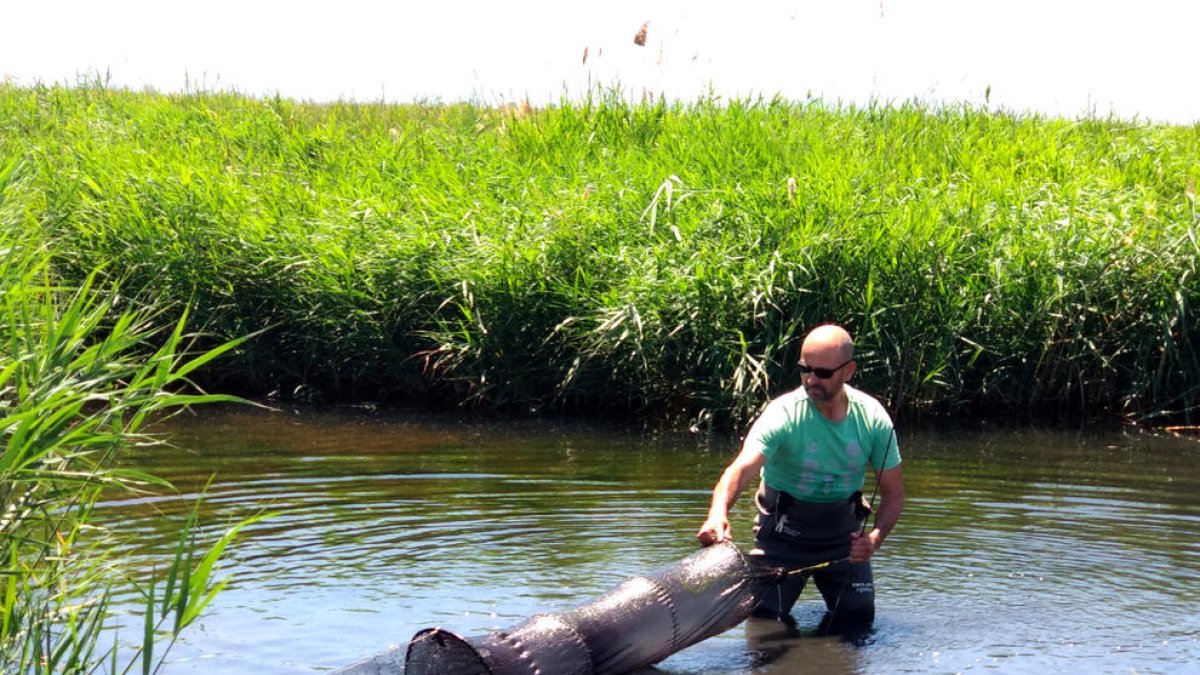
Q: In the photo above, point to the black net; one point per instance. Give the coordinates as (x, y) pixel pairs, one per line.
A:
(638, 623)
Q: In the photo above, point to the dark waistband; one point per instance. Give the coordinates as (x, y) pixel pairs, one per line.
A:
(783, 502)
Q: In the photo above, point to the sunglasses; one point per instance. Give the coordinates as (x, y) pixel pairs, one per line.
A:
(823, 373)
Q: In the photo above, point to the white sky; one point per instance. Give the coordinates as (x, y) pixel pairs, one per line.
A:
(1059, 57)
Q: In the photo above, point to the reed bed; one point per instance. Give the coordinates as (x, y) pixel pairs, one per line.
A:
(645, 258)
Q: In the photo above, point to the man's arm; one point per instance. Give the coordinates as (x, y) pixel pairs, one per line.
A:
(891, 490)
(733, 481)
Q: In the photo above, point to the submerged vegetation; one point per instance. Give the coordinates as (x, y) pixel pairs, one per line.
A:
(653, 258)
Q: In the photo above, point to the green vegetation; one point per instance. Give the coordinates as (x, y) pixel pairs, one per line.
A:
(82, 371)
(652, 258)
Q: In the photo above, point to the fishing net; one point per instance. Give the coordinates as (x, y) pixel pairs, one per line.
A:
(640, 622)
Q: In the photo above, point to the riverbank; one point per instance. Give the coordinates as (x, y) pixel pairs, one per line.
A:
(650, 259)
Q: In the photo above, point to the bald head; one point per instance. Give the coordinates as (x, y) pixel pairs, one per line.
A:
(829, 339)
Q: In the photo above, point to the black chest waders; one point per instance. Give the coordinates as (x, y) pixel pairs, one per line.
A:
(812, 540)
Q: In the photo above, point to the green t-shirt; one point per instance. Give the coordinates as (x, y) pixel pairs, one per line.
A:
(816, 460)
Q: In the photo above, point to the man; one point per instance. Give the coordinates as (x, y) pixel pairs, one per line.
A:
(812, 447)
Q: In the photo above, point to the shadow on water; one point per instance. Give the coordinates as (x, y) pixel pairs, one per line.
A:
(1019, 551)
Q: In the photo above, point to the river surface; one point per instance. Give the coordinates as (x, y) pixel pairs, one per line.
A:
(1018, 552)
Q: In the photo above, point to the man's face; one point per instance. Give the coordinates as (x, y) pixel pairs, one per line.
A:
(817, 361)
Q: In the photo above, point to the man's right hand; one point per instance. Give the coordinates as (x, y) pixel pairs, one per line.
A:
(714, 531)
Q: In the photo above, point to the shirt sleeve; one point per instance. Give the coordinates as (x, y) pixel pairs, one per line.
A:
(763, 434)
(885, 451)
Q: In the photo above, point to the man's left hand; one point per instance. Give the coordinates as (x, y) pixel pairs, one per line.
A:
(863, 546)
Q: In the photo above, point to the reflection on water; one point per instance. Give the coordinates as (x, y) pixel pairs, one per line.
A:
(1023, 552)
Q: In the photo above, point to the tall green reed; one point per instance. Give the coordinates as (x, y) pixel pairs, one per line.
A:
(655, 257)
(84, 369)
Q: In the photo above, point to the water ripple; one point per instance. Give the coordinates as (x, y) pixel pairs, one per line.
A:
(1016, 563)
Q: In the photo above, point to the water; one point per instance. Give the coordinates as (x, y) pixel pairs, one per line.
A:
(1018, 551)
